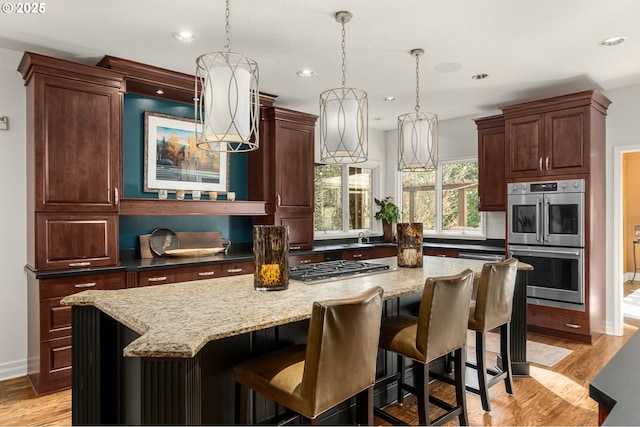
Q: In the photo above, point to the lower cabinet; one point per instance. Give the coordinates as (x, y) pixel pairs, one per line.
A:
(357, 254)
(305, 259)
(567, 324)
(49, 326)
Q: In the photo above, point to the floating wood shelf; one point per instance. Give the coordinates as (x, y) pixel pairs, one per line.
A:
(142, 206)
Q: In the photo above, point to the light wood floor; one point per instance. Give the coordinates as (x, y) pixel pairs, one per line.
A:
(552, 396)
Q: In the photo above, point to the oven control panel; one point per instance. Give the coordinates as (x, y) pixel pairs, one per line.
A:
(563, 186)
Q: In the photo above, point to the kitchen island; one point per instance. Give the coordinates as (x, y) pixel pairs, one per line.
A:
(164, 354)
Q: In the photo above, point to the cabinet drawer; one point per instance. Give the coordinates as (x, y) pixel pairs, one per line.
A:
(385, 252)
(357, 254)
(61, 287)
(236, 268)
(174, 275)
(559, 321)
(451, 253)
(305, 259)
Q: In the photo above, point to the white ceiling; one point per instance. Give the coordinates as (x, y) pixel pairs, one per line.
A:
(530, 49)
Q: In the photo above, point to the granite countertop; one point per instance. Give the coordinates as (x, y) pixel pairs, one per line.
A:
(177, 320)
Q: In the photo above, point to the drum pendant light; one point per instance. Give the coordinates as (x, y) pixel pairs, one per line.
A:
(227, 104)
(417, 133)
(343, 116)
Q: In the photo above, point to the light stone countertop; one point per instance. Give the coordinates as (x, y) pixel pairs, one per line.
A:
(177, 320)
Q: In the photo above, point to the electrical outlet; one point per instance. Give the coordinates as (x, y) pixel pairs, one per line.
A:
(4, 123)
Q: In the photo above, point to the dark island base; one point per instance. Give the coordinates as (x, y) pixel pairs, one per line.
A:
(111, 389)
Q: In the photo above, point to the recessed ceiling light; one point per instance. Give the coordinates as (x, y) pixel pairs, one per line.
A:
(390, 98)
(479, 76)
(612, 41)
(183, 36)
(306, 73)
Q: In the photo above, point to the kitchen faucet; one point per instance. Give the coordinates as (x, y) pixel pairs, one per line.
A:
(360, 238)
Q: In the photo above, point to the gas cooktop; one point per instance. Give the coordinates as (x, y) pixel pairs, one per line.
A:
(334, 269)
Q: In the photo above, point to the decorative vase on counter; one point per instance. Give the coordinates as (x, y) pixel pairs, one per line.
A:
(387, 231)
(271, 257)
(410, 244)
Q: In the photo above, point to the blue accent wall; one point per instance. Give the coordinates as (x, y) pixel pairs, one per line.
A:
(237, 229)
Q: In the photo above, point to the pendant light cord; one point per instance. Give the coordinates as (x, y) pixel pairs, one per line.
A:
(344, 56)
(417, 83)
(227, 28)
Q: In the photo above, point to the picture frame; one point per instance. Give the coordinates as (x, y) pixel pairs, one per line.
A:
(172, 161)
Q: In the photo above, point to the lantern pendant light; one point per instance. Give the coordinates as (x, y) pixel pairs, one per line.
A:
(227, 104)
(417, 133)
(343, 116)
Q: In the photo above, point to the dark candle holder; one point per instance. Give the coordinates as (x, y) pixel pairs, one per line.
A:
(409, 244)
(271, 257)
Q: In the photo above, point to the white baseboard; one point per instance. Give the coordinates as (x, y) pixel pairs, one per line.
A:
(15, 369)
(629, 276)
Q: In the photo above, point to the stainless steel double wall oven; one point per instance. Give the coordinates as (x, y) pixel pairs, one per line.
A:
(546, 229)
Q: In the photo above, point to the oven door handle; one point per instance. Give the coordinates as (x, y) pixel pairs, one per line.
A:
(545, 219)
(539, 224)
(533, 252)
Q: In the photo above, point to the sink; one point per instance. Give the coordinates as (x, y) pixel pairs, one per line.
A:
(357, 245)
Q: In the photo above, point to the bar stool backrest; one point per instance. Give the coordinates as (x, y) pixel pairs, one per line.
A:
(444, 313)
(342, 348)
(494, 301)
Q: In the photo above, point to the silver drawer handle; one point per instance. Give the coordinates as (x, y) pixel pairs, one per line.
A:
(85, 285)
(79, 264)
(157, 279)
(572, 325)
(305, 261)
(206, 273)
(357, 256)
(234, 270)
(441, 255)
(294, 248)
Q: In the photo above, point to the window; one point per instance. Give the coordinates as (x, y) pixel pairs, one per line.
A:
(444, 200)
(336, 187)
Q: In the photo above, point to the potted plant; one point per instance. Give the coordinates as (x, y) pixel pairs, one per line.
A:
(388, 213)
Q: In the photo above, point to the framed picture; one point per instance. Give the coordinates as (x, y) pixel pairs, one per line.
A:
(172, 161)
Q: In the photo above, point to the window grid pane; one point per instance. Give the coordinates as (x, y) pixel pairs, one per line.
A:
(359, 198)
(327, 215)
(460, 197)
(419, 198)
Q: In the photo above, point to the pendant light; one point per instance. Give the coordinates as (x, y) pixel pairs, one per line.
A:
(343, 116)
(227, 104)
(417, 133)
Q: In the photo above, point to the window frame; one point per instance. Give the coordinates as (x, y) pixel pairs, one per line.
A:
(439, 232)
(376, 229)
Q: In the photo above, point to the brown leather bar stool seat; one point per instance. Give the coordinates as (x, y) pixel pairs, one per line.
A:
(337, 363)
(492, 309)
(439, 329)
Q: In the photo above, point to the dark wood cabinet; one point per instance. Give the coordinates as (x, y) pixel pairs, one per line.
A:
(305, 259)
(441, 252)
(358, 254)
(492, 187)
(281, 172)
(49, 325)
(74, 114)
(553, 137)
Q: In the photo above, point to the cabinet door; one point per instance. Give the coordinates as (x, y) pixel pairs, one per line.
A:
(566, 142)
(294, 166)
(525, 144)
(305, 259)
(68, 241)
(300, 229)
(76, 134)
(492, 186)
(450, 253)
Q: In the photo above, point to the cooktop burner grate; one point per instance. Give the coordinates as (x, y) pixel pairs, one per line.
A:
(332, 269)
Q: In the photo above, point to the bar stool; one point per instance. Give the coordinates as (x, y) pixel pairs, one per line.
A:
(492, 309)
(439, 329)
(338, 362)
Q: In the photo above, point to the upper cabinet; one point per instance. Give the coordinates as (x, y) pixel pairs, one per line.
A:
(492, 187)
(74, 132)
(281, 172)
(554, 136)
